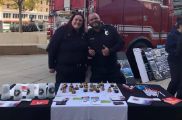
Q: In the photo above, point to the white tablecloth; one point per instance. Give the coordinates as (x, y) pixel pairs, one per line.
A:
(111, 112)
(79, 110)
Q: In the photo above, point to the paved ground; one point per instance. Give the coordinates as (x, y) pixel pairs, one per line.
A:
(24, 69)
(32, 69)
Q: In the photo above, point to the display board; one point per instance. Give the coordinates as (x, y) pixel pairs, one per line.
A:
(157, 60)
(141, 65)
(152, 63)
(125, 68)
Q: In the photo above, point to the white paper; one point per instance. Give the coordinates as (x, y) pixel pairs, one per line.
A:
(141, 100)
(9, 103)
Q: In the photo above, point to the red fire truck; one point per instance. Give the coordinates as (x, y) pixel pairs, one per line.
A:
(142, 23)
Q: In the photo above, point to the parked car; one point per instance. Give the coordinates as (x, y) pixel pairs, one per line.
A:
(32, 27)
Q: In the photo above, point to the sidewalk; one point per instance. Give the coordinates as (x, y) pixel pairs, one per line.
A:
(33, 69)
(24, 69)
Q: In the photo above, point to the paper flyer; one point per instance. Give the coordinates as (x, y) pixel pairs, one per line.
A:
(9, 103)
(39, 102)
(172, 100)
(142, 101)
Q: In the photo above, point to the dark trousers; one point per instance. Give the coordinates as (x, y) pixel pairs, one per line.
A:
(107, 74)
(70, 74)
(175, 85)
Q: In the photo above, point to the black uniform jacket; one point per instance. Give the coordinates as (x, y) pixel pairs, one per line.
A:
(174, 45)
(67, 48)
(109, 37)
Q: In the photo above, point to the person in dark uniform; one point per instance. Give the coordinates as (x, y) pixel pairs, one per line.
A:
(68, 51)
(174, 49)
(104, 41)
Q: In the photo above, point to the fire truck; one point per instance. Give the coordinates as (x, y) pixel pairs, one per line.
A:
(142, 23)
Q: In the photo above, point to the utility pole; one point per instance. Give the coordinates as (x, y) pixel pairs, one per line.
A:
(85, 14)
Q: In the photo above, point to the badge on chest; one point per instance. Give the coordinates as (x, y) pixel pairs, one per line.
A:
(106, 32)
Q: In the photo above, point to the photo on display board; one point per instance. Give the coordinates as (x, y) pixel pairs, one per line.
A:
(157, 52)
(157, 59)
(153, 65)
(125, 68)
(149, 54)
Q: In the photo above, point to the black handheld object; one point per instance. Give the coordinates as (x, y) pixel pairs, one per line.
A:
(118, 103)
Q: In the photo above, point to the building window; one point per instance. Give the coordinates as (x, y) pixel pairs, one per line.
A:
(41, 2)
(45, 17)
(46, 9)
(24, 16)
(6, 15)
(15, 15)
(40, 16)
(32, 17)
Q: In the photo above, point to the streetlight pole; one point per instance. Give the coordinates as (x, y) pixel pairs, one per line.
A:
(85, 14)
(85, 8)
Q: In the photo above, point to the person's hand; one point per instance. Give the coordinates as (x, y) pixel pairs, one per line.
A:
(51, 70)
(91, 51)
(105, 51)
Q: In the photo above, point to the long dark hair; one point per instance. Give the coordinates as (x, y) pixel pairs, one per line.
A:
(82, 28)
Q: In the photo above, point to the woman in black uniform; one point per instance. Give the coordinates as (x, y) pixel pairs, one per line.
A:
(67, 51)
